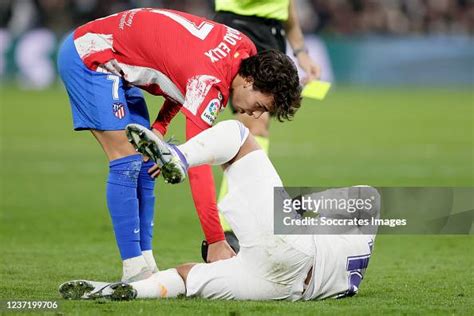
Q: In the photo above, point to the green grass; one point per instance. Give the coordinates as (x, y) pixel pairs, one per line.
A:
(54, 225)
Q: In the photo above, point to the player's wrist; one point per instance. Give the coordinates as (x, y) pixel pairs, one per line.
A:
(299, 50)
(217, 238)
(160, 128)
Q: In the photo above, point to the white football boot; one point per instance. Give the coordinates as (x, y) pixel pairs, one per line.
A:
(167, 156)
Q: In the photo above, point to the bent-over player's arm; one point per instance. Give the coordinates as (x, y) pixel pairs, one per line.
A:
(167, 112)
(200, 178)
(204, 196)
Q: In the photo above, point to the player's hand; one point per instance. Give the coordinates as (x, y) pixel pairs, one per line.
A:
(113, 67)
(312, 70)
(157, 133)
(155, 171)
(219, 251)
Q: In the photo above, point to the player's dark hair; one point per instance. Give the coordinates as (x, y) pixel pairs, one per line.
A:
(275, 73)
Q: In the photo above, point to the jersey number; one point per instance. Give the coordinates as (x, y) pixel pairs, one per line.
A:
(200, 31)
(115, 85)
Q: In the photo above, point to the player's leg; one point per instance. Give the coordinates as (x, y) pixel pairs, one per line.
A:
(164, 284)
(249, 209)
(230, 279)
(139, 261)
(224, 279)
(146, 184)
(256, 273)
(122, 200)
(259, 128)
(214, 146)
(146, 199)
(99, 104)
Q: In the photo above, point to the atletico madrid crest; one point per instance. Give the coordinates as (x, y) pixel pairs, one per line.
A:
(119, 110)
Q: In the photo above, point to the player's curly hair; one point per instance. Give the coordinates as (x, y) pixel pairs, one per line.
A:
(275, 73)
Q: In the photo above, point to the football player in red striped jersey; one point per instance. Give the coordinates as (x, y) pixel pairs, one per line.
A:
(197, 65)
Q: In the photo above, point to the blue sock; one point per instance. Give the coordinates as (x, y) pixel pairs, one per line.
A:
(146, 199)
(122, 202)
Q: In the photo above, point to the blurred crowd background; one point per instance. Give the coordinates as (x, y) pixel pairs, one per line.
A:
(402, 42)
(396, 17)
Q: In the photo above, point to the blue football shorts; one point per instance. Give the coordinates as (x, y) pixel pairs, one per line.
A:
(99, 101)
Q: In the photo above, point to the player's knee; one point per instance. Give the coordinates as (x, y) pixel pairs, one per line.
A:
(125, 169)
(248, 142)
(234, 127)
(249, 145)
(114, 143)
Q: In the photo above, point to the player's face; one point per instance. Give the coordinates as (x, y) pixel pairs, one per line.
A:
(252, 102)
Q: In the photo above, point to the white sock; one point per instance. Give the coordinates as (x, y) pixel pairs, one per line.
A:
(150, 260)
(216, 145)
(133, 266)
(167, 283)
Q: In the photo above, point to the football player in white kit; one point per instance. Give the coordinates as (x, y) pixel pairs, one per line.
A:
(268, 266)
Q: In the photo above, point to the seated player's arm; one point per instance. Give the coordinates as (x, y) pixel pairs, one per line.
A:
(204, 196)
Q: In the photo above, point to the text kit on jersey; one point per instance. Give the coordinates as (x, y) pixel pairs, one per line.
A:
(231, 37)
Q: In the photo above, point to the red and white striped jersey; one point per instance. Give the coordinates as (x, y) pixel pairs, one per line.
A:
(189, 60)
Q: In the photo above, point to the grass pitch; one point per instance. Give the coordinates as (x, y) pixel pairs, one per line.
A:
(54, 225)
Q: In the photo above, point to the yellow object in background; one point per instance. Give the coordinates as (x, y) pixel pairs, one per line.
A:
(316, 90)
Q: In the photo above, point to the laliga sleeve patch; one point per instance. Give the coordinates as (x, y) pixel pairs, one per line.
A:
(209, 114)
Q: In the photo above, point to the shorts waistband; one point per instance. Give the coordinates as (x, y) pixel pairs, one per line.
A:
(253, 19)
